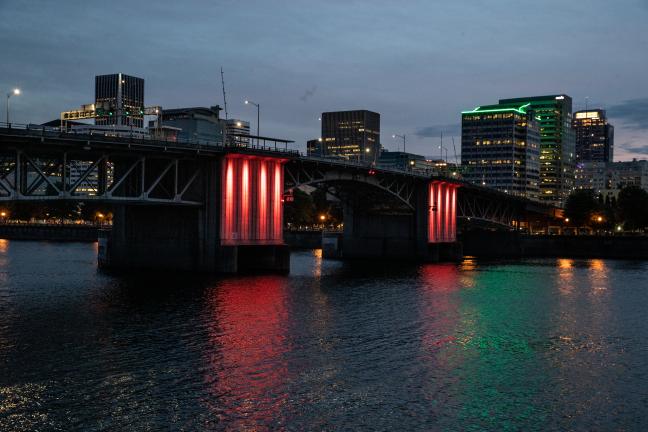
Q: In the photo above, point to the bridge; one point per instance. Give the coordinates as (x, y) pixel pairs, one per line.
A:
(213, 207)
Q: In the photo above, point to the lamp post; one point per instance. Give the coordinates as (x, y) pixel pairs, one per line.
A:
(16, 92)
(258, 107)
(401, 137)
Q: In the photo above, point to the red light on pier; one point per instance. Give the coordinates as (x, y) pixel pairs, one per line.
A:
(442, 219)
(252, 192)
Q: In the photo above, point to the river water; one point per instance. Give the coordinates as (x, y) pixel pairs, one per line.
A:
(532, 345)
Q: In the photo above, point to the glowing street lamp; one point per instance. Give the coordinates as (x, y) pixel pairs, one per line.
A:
(14, 92)
(258, 107)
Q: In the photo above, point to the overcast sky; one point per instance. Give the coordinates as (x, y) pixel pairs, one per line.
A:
(417, 63)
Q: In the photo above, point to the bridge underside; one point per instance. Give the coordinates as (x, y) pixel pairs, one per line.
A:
(386, 215)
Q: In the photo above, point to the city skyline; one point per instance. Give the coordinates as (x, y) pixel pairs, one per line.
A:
(419, 66)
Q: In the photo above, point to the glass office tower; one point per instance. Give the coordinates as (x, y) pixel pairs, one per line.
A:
(500, 149)
(558, 144)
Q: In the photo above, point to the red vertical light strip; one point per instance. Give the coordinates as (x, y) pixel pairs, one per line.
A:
(228, 216)
(244, 217)
(430, 212)
(433, 215)
(454, 213)
(448, 189)
(263, 200)
(276, 217)
(439, 213)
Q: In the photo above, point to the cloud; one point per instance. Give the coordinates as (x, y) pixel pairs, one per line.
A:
(643, 150)
(436, 130)
(632, 113)
(308, 93)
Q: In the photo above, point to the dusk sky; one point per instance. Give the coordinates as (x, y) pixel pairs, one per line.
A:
(417, 63)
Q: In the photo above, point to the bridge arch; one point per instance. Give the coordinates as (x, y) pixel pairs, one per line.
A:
(401, 188)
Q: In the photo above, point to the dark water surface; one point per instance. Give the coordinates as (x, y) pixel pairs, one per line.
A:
(538, 345)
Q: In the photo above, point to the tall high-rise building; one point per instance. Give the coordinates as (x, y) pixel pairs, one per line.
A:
(558, 142)
(594, 136)
(500, 148)
(353, 135)
(119, 100)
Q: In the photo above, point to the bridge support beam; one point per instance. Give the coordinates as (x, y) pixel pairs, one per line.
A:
(389, 235)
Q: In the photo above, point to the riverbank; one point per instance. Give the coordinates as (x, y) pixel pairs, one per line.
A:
(499, 244)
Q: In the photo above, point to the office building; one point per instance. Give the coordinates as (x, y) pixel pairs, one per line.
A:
(352, 135)
(592, 176)
(500, 147)
(607, 179)
(119, 100)
(558, 142)
(594, 136)
(197, 124)
(238, 132)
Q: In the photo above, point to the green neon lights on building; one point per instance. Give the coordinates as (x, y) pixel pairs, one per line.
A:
(478, 110)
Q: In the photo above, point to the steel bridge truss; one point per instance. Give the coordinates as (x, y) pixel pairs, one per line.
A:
(85, 176)
(487, 209)
(333, 179)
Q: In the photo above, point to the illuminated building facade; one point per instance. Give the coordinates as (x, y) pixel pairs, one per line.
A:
(237, 127)
(500, 147)
(119, 100)
(594, 136)
(353, 135)
(608, 179)
(558, 142)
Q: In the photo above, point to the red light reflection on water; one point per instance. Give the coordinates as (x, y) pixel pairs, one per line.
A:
(247, 328)
(439, 284)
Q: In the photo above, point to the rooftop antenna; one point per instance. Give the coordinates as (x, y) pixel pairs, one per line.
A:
(224, 97)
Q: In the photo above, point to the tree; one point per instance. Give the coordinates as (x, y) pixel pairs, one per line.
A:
(581, 206)
(300, 211)
(632, 207)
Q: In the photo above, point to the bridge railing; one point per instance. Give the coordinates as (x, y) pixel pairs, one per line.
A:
(250, 142)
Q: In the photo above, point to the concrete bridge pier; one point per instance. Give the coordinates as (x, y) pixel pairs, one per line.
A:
(237, 229)
(392, 235)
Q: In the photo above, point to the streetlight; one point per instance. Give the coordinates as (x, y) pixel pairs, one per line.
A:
(401, 137)
(15, 92)
(258, 107)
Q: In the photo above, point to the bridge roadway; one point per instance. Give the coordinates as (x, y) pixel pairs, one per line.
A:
(212, 207)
